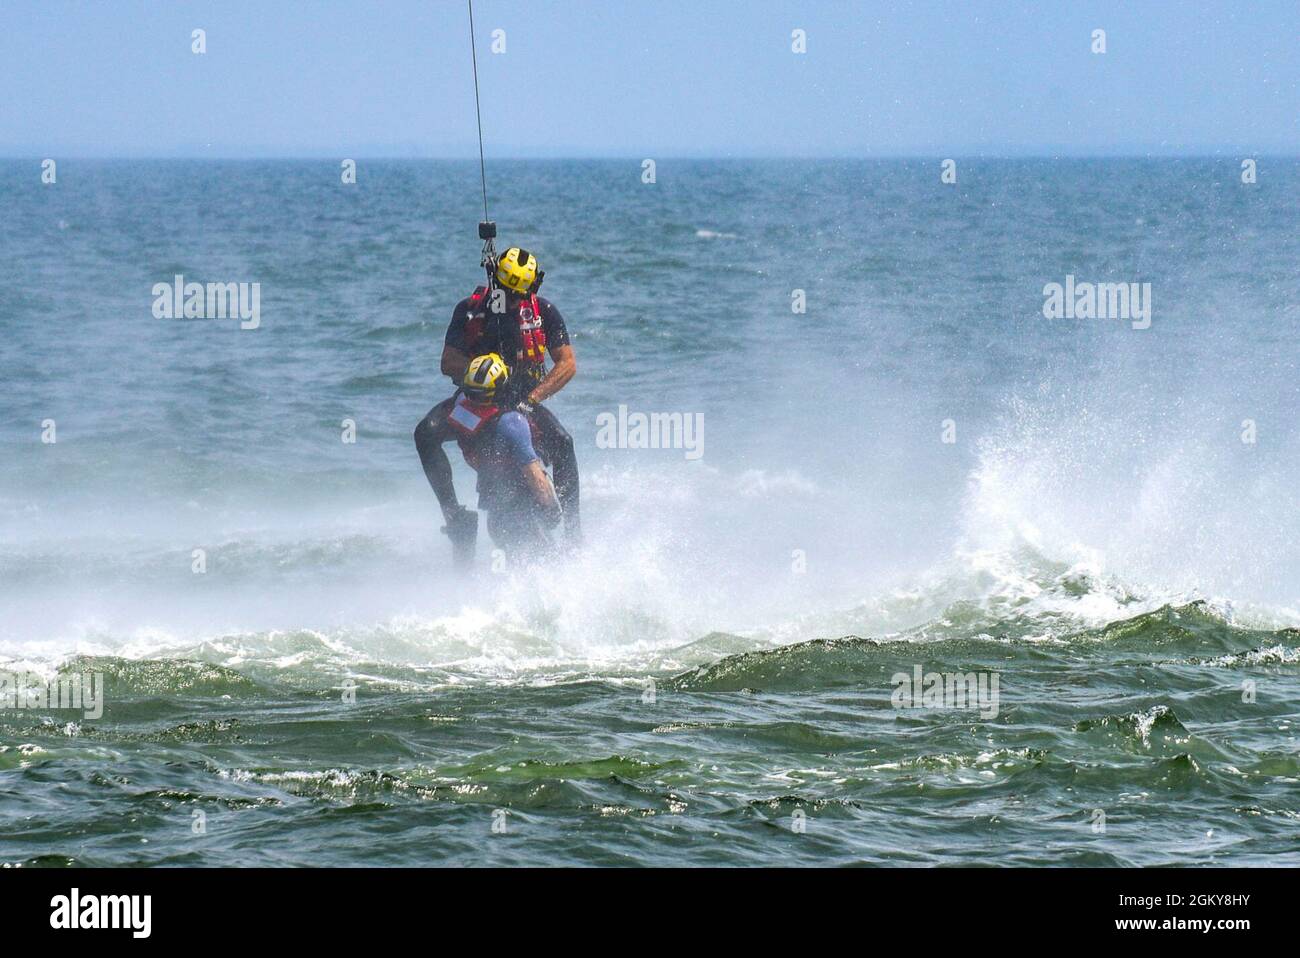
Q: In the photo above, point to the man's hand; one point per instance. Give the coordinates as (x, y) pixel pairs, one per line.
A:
(525, 407)
(539, 483)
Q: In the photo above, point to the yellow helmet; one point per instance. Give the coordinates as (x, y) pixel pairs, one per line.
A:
(517, 270)
(485, 375)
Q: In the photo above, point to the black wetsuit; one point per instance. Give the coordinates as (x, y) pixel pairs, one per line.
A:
(487, 332)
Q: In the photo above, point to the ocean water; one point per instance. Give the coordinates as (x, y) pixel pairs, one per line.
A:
(1110, 532)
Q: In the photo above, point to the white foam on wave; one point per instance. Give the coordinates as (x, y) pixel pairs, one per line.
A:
(1064, 524)
(1158, 501)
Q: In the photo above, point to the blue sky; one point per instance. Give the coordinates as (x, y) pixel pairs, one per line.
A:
(637, 78)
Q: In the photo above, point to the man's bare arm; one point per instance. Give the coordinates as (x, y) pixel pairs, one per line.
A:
(539, 483)
(566, 365)
(454, 364)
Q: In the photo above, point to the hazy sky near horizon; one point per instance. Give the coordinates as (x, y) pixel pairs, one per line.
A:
(648, 78)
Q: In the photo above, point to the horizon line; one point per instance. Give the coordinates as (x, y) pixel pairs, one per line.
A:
(638, 158)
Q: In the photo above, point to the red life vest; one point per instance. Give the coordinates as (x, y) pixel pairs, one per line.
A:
(531, 347)
(468, 420)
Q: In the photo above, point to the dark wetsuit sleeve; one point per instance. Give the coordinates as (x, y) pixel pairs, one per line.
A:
(457, 332)
(553, 324)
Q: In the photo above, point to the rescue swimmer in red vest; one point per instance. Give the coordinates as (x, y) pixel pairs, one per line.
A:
(497, 442)
(508, 318)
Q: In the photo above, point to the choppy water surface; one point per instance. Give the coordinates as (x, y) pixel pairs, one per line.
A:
(710, 682)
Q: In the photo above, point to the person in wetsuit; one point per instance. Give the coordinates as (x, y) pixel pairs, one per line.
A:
(506, 317)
